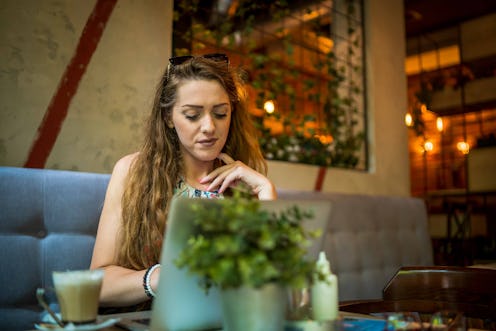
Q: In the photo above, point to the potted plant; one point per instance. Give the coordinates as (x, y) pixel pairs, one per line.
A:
(253, 256)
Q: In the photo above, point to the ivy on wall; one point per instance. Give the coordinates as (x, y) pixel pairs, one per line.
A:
(304, 57)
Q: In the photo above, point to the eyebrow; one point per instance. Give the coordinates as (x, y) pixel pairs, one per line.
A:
(201, 107)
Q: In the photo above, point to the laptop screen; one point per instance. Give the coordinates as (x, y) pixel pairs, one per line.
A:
(180, 303)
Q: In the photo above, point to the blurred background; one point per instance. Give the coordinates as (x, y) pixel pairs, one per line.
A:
(394, 97)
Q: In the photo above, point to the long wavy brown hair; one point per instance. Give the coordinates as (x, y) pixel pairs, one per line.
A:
(158, 166)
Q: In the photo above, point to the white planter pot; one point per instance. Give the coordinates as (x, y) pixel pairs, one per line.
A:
(250, 309)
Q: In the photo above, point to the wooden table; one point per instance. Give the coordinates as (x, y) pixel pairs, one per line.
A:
(427, 290)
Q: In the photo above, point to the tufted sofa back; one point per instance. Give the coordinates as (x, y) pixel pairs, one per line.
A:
(48, 221)
(369, 237)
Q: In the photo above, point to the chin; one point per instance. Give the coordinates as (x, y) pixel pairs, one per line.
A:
(207, 157)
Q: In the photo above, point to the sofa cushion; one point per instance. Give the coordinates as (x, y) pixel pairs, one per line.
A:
(48, 222)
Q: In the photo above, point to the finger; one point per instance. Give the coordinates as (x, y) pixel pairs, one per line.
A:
(226, 176)
(225, 158)
(231, 180)
(215, 173)
(219, 179)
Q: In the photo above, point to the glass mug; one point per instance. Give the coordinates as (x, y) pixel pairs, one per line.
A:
(298, 305)
(78, 294)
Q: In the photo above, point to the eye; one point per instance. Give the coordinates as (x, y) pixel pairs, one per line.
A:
(192, 117)
(221, 111)
(220, 115)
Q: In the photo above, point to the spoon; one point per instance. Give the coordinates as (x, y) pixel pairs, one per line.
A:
(40, 295)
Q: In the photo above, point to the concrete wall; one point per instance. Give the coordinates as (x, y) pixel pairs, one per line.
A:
(38, 39)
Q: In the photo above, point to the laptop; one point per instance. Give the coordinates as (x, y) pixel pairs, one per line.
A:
(180, 303)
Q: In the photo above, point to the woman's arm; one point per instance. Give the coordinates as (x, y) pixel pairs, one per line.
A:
(121, 286)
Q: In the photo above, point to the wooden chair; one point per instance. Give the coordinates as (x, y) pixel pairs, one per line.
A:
(427, 290)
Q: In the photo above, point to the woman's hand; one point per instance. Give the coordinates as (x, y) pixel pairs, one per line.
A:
(234, 172)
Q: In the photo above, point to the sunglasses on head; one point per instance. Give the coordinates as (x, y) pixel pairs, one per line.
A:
(177, 60)
(217, 57)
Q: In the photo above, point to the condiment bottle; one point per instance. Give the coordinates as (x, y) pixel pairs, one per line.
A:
(324, 293)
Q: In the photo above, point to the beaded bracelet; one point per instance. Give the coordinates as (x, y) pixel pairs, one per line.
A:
(146, 280)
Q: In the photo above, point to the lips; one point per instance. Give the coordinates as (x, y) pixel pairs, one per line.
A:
(207, 142)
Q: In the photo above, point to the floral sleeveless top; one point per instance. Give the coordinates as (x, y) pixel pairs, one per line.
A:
(185, 190)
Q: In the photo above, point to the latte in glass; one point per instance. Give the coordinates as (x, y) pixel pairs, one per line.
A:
(78, 294)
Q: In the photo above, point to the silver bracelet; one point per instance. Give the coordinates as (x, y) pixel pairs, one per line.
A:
(146, 280)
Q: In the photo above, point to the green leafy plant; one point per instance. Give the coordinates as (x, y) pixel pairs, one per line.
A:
(237, 244)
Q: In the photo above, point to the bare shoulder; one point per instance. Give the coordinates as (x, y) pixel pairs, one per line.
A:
(123, 164)
(121, 170)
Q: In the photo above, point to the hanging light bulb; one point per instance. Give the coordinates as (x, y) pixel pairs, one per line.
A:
(408, 119)
(439, 124)
(463, 147)
(269, 106)
(428, 146)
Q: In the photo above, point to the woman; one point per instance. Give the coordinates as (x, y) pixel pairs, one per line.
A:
(200, 141)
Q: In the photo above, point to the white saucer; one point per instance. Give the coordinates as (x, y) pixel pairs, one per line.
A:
(72, 327)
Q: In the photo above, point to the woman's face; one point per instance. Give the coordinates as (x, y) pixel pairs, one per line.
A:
(201, 117)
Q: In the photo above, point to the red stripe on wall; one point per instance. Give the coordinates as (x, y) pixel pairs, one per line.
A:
(56, 112)
(320, 179)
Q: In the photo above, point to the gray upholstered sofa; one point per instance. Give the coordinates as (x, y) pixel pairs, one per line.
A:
(48, 220)
(369, 237)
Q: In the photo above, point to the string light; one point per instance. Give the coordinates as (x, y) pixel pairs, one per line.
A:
(463, 147)
(439, 124)
(428, 146)
(408, 119)
(269, 106)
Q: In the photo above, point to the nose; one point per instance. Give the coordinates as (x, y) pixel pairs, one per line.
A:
(207, 124)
